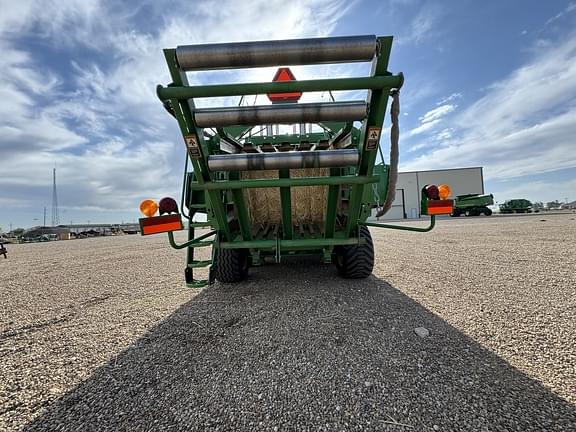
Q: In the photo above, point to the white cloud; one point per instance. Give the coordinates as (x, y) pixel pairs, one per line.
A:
(450, 98)
(424, 26)
(102, 123)
(429, 121)
(523, 124)
(570, 8)
(437, 113)
(424, 127)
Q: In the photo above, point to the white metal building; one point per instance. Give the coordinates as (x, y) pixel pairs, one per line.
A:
(407, 203)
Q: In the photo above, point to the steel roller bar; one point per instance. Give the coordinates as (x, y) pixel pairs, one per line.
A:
(281, 114)
(287, 244)
(364, 83)
(280, 182)
(277, 53)
(286, 160)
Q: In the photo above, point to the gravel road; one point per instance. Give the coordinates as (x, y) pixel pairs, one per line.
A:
(99, 334)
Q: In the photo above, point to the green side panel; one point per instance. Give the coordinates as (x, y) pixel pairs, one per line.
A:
(286, 201)
(332, 205)
(183, 112)
(382, 171)
(360, 198)
(241, 209)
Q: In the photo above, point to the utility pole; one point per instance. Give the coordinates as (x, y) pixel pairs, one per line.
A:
(44, 224)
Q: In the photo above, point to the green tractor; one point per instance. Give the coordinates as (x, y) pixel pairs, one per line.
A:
(473, 205)
(516, 206)
(286, 178)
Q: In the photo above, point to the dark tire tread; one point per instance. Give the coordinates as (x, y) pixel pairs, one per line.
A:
(357, 262)
(231, 265)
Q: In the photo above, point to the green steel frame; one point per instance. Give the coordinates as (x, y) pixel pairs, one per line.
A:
(220, 195)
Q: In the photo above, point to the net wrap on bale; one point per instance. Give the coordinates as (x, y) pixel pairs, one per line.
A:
(308, 202)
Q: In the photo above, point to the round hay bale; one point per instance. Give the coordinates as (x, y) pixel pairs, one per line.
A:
(308, 202)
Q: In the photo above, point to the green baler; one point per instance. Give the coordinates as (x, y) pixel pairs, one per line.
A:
(473, 205)
(268, 193)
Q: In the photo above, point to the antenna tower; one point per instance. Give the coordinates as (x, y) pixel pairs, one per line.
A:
(55, 213)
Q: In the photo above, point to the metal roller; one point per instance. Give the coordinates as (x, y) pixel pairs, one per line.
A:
(277, 53)
(281, 114)
(287, 160)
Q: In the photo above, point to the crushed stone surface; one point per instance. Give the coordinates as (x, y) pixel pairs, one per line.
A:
(101, 334)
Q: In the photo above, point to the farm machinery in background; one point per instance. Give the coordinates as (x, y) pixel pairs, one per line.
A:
(516, 206)
(473, 205)
(267, 193)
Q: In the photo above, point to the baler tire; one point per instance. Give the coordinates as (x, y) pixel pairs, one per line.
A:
(231, 265)
(356, 262)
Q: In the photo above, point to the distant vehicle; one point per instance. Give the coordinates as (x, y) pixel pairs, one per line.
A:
(3, 250)
(472, 205)
(516, 206)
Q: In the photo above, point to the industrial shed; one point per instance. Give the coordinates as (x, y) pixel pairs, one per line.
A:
(407, 203)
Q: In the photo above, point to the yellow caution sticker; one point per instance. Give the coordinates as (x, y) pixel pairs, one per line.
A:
(372, 138)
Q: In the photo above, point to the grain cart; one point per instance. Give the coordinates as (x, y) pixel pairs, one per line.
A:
(473, 205)
(268, 193)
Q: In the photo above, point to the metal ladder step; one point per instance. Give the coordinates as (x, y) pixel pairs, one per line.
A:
(198, 283)
(200, 264)
(200, 224)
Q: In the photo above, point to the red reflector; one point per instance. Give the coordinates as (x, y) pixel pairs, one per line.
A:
(284, 74)
(160, 224)
(440, 207)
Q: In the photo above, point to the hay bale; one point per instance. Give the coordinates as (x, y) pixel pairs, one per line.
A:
(308, 202)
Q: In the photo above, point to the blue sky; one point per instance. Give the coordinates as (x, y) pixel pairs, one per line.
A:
(489, 83)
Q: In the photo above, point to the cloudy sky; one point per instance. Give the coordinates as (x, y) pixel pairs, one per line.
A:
(488, 83)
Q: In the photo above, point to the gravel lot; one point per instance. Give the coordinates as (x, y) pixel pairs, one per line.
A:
(99, 334)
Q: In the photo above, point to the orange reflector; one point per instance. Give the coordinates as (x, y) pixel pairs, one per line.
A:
(160, 224)
(440, 207)
(444, 191)
(148, 207)
(284, 74)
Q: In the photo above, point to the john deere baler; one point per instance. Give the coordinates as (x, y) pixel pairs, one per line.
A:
(267, 192)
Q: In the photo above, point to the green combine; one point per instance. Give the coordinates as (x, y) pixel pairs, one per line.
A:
(516, 206)
(287, 178)
(472, 205)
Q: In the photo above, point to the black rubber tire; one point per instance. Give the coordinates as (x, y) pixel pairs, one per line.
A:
(456, 212)
(487, 212)
(356, 262)
(231, 265)
(467, 213)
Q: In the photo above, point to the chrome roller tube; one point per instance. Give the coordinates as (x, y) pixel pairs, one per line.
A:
(286, 160)
(277, 53)
(281, 114)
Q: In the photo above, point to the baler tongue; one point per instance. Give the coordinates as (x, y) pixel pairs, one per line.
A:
(308, 186)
